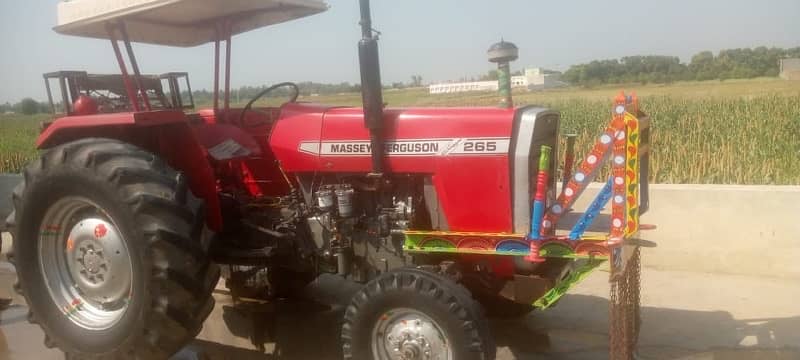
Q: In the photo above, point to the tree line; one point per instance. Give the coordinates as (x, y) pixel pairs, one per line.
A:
(727, 64)
(742, 63)
(26, 106)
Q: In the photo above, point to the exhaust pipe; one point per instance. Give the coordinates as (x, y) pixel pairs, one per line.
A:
(371, 88)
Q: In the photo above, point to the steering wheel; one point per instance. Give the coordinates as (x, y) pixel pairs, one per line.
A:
(248, 107)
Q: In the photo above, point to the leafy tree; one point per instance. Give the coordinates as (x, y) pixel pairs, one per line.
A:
(702, 66)
(28, 106)
(416, 80)
(728, 64)
(490, 75)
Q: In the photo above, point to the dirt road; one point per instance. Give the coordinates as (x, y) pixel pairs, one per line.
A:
(685, 316)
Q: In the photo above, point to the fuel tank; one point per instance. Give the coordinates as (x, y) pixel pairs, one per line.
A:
(465, 154)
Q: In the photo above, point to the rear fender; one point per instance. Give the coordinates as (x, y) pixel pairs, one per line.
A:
(165, 133)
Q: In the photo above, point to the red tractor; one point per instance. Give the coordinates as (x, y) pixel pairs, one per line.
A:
(122, 226)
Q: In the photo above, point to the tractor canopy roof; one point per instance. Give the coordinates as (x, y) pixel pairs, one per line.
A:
(178, 22)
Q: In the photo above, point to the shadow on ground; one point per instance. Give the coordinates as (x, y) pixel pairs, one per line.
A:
(576, 328)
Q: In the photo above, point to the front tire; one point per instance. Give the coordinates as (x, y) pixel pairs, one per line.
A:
(108, 252)
(413, 314)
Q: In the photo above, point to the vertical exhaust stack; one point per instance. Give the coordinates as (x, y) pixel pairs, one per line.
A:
(371, 88)
(503, 53)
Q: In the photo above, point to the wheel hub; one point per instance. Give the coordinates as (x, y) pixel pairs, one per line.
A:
(406, 334)
(85, 262)
(98, 261)
(93, 263)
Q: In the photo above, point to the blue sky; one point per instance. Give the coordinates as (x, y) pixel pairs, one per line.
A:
(438, 39)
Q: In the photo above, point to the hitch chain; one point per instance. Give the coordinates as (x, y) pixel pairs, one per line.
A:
(624, 315)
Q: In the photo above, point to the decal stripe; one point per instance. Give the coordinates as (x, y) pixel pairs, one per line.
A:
(410, 147)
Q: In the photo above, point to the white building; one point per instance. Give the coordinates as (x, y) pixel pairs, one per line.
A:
(444, 88)
(538, 80)
(534, 79)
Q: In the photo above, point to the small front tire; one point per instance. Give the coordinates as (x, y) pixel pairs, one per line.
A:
(410, 313)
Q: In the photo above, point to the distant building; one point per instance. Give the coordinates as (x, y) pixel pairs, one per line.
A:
(790, 69)
(538, 80)
(534, 79)
(445, 88)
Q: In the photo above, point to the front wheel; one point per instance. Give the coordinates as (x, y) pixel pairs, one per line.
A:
(108, 253)
(412, 314)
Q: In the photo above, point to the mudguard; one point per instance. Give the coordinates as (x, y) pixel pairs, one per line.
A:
(165, 133)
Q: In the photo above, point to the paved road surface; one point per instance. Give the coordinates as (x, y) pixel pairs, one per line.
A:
(685, 316)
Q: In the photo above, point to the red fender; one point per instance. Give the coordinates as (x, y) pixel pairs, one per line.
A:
(166, 133)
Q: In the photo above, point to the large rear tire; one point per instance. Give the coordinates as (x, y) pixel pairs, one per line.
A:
(410, 313)
(108, 251)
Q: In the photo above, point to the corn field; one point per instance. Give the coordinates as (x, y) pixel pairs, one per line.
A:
(748, 139)
(707, 141)
(741, 132)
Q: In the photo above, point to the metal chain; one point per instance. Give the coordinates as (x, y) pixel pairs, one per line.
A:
(624, 316)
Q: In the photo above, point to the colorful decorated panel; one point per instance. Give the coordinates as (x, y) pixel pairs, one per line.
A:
(632, 174)
(503, 244)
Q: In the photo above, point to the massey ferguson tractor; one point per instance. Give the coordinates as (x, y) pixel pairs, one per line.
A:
(125, 222)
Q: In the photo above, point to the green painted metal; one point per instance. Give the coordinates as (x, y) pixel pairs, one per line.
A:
(556, 250)
(504, 85)
(448, 242)
(544, 158)
(551, 296)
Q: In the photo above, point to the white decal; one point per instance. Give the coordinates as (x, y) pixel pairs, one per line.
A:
(309, 147)
(228, 149)
(410, 147)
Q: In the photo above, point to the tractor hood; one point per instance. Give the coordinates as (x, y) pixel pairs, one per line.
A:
(466, 155)
(334, 139)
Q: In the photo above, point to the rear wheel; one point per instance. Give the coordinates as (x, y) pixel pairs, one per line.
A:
(412, 314)
(108, 252)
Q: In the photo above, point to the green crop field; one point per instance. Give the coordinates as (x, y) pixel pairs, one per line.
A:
(17, 136)
(731, 132)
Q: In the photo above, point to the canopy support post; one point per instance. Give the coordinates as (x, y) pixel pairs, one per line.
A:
(189, 89)
(49, 94)
(228, 29)
(137, 75)
(216, 71)
(123, 69)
